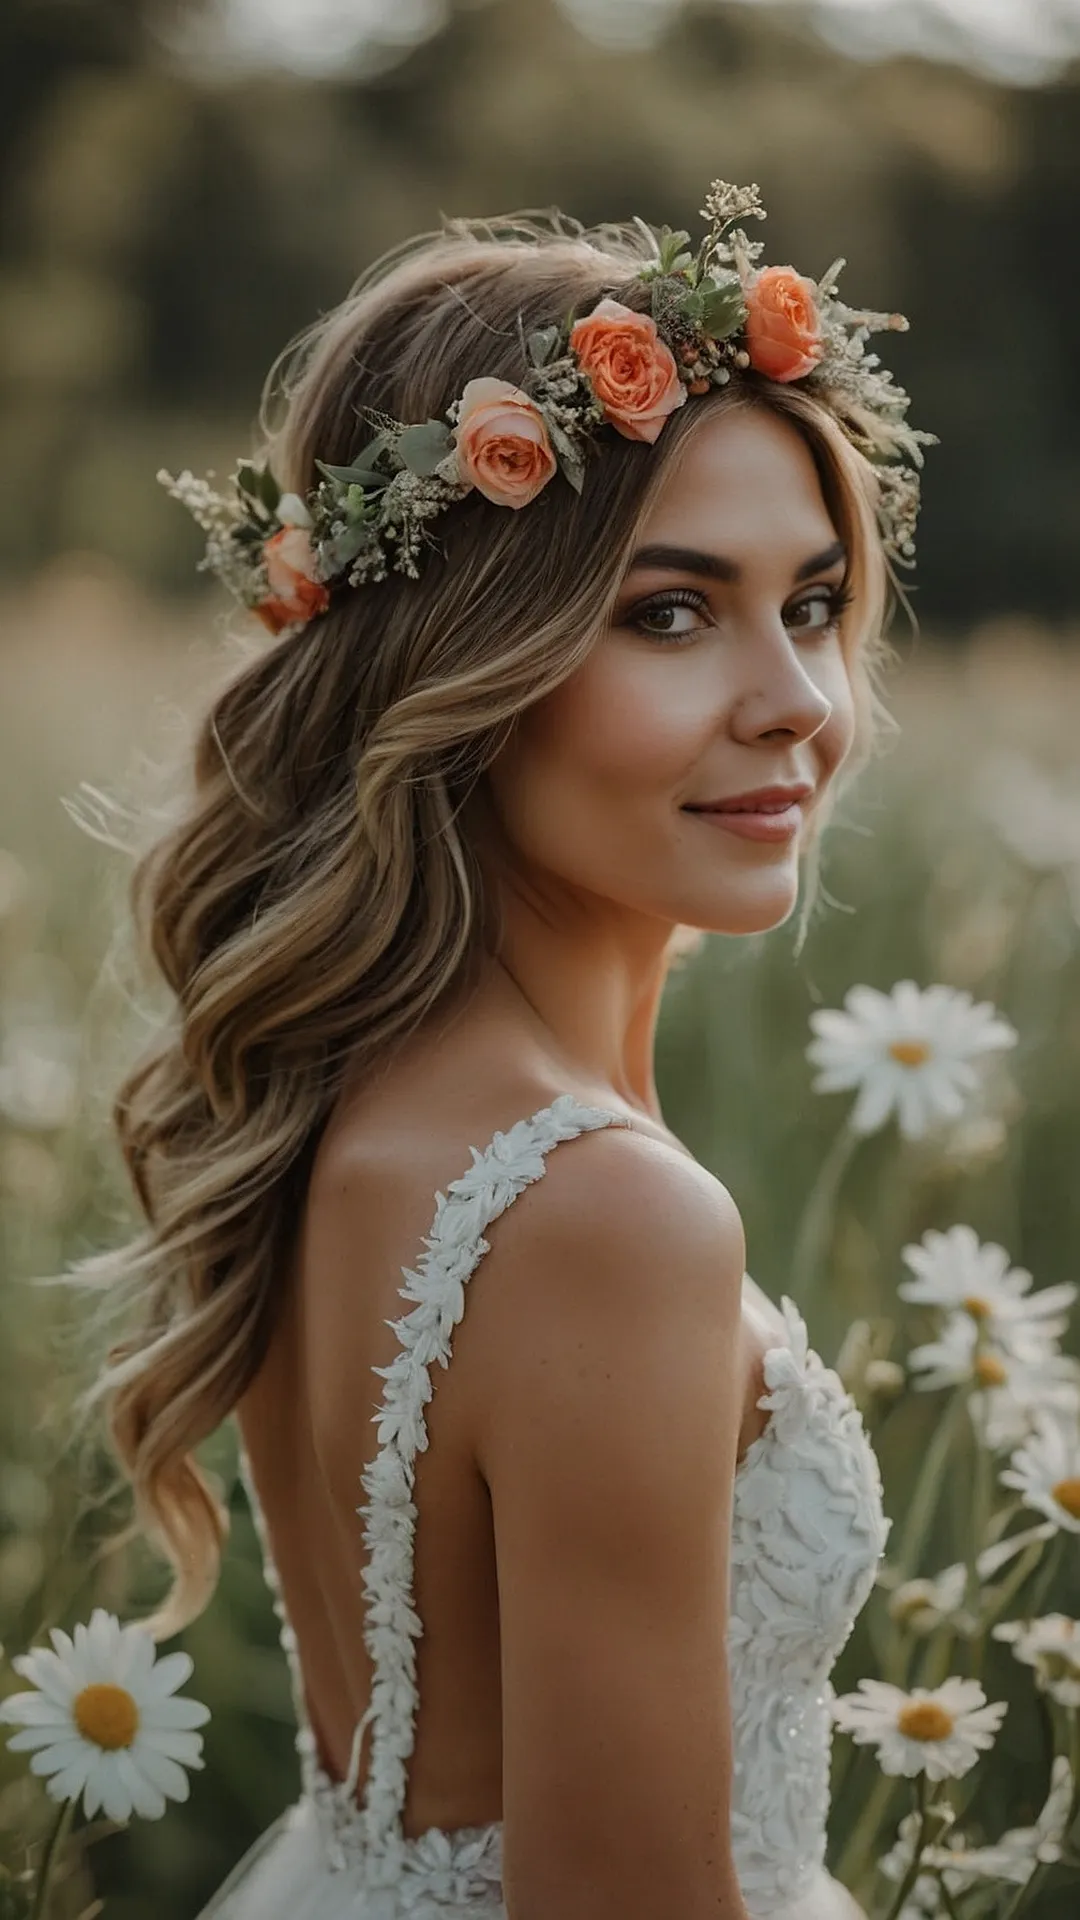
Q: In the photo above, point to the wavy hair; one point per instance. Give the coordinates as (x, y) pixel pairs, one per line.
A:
(315, 894)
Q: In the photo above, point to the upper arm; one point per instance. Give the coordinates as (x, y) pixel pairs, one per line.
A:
(609, 1441)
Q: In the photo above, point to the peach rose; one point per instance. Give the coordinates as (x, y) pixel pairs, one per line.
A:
(783, 331)
(633, 374)
(503, 449)
(295, 594)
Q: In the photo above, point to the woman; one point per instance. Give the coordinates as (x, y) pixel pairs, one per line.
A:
(577, 583)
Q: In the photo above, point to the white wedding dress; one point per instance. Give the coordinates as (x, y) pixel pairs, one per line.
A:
(807, 1534)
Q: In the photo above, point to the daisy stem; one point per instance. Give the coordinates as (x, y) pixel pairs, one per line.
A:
(922, 1805)
(815, 1226)
(981, 1506)
(49, 1859)
(1026, 1563)
(923, 1502)
(947, 1900)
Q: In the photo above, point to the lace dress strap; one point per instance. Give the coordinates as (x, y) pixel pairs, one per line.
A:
(454, 1248)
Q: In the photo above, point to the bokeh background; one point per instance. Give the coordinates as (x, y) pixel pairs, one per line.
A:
(182, 187)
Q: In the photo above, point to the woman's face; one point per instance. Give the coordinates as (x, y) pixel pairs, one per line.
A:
(721, 673)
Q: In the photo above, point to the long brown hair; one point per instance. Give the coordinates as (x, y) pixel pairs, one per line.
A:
(316, 895)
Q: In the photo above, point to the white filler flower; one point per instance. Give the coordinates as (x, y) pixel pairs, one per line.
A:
(959, 1273)
(910, 1051)
(1052, 1646)
(103, 1720)
(1046, 1471)
(937, 1731)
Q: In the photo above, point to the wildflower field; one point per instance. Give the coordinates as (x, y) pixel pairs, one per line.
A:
(924, 1214)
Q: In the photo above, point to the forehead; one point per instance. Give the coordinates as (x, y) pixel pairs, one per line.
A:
(742, 476)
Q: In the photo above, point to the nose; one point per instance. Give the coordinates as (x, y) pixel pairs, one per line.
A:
(782, 698)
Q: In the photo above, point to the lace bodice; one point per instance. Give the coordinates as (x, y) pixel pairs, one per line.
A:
(807, 1533)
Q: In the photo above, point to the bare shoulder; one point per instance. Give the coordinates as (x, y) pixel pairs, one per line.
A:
(622, 1234)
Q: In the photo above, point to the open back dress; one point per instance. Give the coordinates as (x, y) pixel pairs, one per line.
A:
(807, 1534)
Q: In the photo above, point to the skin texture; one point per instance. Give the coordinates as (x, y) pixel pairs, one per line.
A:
(574, 1503)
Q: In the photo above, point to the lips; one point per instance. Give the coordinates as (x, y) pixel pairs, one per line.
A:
(764, 800)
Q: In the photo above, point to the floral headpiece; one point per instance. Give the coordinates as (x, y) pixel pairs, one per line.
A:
(713, 313)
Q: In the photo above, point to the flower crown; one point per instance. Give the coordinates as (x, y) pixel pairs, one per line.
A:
(713, 313)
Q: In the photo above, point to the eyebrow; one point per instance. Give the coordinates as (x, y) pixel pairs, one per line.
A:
(714, 566)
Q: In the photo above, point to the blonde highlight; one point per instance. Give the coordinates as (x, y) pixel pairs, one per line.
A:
(316, 894)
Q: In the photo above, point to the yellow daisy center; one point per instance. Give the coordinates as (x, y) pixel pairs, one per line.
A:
(925, 1720)
(976, 1307)
(909, 1053)
(106, 1715)
(1067, 1495)
(990, 1371)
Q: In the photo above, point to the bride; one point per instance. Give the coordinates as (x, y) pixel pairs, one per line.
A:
(577, 588)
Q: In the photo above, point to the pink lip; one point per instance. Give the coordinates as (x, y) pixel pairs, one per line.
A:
(758, 799)
(775, 825)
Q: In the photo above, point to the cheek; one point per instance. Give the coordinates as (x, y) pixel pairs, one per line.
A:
(621, 723)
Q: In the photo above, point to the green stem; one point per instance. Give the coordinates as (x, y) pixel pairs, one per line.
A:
(947, 1899)
(923, 1503)
(49, 1859)
(1025, 1564)
(813, 1234)
(852, 1861)
(912, 1874)
(981, 1507)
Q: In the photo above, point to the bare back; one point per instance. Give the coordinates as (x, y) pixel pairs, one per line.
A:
(307, 1418)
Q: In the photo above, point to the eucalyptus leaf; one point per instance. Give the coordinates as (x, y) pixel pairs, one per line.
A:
(543, 344)
(423, 447)
(268, 489)
(356, 476)
(568, 455)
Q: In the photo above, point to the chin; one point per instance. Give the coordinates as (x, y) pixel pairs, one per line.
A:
(749, 911)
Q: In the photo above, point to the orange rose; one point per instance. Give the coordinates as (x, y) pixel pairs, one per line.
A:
(783, 331)
(633, 374)
(295, 594)
(503, 449)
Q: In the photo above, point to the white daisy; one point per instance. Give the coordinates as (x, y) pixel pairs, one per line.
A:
(1013, 1858)
(961, 1274)
(1052, 1646)
(937, 1731)
(923, 1605)
(1009, 1391)
(103, 1721)
(910, 1051)
(1045, 1469)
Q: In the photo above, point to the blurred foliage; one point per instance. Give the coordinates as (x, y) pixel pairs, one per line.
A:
(920, 885)
(165, 228)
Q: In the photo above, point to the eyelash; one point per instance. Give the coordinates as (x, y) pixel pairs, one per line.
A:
(837, 599)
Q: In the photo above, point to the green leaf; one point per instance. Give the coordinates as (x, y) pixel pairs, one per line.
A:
(716, 306)
(568, 455)
(423, 447)
(269, 491)
(357, 476)
(674, 245)
(543, 345)
(247, 480)
(340, 551)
